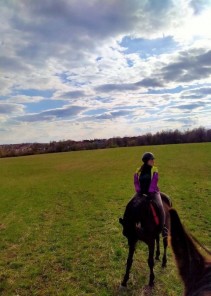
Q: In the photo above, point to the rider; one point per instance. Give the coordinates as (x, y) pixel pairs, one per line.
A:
(146, 183)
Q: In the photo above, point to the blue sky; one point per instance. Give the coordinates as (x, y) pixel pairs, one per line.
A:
(99, 69)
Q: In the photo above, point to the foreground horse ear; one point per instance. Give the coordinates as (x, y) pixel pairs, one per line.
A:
(190, 262)
(121, 221)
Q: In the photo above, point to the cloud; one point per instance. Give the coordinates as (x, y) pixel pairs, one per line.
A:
(58, 17)
(73, 94)
(188, 67)
(24, 99)
(145, 83)
(184, 120)
(204, 90)
(8, 108)
(190, 106)
(196, 93)
(60, 113)
(113, 114)
(11, 63)
(149, 82)
(69, 30)
(115, 87)
(199, 5)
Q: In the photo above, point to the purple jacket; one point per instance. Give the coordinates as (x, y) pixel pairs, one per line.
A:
(154, 180)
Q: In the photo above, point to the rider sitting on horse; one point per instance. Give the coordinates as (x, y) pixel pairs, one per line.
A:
(146, 184)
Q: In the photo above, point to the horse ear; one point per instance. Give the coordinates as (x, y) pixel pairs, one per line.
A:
(121, 221)
(190, 262)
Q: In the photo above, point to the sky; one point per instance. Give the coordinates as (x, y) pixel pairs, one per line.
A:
(78, 69)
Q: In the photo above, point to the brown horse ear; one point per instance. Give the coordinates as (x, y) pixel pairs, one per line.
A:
(190, 262)
(121, 221)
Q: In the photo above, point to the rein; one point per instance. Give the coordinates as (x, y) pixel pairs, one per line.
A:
(203, 247)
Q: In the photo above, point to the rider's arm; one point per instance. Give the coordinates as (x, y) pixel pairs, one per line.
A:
(154, 181)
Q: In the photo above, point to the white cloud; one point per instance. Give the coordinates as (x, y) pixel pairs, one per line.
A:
(8, 108)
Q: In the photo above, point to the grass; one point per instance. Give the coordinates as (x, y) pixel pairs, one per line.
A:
(59, 230)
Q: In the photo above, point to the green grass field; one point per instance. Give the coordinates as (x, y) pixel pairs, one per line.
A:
(59, 230)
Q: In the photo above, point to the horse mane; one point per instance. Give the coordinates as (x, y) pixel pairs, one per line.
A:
(194, 268)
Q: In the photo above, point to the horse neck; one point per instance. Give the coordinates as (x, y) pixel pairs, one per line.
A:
(202, 287)
(192, 266)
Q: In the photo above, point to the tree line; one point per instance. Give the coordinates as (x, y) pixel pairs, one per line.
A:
(196, 135)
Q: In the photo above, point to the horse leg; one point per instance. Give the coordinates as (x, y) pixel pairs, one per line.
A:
(151, 247)
(165, 245)
(129, 262)
(157, 247)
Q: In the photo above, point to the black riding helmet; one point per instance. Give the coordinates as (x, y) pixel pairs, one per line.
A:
(147, 156)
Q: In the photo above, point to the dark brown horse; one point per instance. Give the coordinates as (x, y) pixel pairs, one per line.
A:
(139, 212)
(194, 269)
